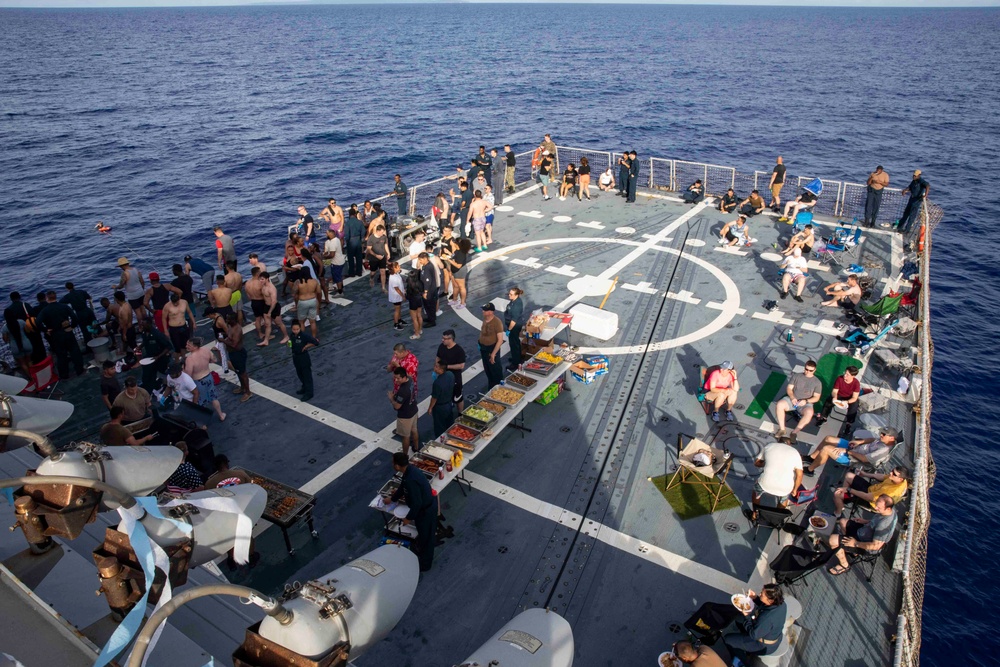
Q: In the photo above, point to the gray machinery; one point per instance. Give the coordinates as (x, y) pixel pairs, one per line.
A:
(533, 638)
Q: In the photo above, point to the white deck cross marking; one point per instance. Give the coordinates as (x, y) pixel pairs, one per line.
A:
(731, 250)
(643, 287)
(715, 305)
(773, 316)
(531, 261)
(563, 270)
(824, 327)
(685, 296)
(531, 214)
(613, 538)
(593, 224)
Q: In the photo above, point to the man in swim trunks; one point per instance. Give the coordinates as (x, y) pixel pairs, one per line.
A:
(234, 281)
(257, 304)
(180, 322)
(196, 364)
(335, 216)
(219, 299)
(273, 310)
(307, 293)
(156, 297)
(237, 355)
(125, 326)
(477, 211)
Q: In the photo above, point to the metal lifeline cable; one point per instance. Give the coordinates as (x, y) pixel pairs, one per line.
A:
(628, 399)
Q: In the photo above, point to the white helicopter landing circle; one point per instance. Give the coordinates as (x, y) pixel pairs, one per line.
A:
(729, 307)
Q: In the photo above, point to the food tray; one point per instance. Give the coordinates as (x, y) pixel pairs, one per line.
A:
(494, 407)
(284, 503)
(474, 424)
(459, 444)
(437, 452)
(428, 466)
(547, 358)
(537, 367)
(389, 488)
(522, 381)
(486, 417)
(506, 395)
(462, 434)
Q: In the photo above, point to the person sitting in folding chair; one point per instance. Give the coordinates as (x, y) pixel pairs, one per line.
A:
(795, 269)
(803, 202)
(722, 388)
(846, 294)
(864, 450)
(781, 475)
(804, 240)
(859, 537)
(803, 391)
(845, 394)
(864, 488)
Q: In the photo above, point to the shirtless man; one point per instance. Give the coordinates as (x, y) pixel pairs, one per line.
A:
(197, 365)
(256, 263)
(273, 309)
(219, 298)
(307, 295)
(477, 213)
(177, 313)
(237, 355)
(110, 323)
(125, 325)
(845, 294)
(805, 240)
(334, 215)
(234, 281)
(257, 306)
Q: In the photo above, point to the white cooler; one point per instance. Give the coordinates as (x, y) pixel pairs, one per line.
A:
(590, 321)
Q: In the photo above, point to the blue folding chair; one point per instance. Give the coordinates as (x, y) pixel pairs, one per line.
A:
(863, 341)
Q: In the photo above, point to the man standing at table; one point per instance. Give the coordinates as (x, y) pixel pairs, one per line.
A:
(490, 342)
(877, 181)
(415, 490)
(442, 407)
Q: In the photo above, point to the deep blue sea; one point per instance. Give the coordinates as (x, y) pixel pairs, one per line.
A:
(164, 122)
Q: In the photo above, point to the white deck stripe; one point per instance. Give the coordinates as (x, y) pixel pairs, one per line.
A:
(613, 538)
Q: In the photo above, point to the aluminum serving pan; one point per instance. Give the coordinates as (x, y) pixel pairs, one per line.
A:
(505, 395)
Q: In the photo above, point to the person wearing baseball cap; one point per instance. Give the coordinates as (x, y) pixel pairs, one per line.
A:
(134, 286)
(156, 297)
(490, 342)
(721, 388)
(865, 447)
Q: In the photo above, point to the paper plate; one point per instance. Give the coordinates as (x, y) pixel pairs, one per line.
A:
(668, 659)
(822, 523)
(742, 600)
(840, 349)
(146, 361)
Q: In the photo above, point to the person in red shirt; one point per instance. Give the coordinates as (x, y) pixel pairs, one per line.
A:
(721, 388)
(406, 359)
(847, 388)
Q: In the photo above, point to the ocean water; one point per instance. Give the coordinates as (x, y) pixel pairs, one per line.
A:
(165, 122)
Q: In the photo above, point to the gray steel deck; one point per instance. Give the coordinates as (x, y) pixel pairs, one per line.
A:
(563, 516)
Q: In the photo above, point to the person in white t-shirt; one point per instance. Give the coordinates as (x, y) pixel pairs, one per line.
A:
(181, 384)
(796, 269)
(417, 246)
(397, 295)
(781, 476)
(333, 256)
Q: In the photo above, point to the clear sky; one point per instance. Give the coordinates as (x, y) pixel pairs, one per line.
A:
(206, 3)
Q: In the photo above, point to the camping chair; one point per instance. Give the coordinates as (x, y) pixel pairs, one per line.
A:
(908, 302)
(689, 472)
(842, 241)
(867, 560)
(706, 371)
(793, 564)
(872, 316)
(43, 375)
(864, 342)
(769, 517)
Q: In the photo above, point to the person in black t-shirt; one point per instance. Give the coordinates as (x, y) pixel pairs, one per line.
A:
(305, 223)
(584, 172)
(452, 356)
(110, 386)
(777, 181)
(727, 204)
(511, 163)
(183, 282)
(405, 404)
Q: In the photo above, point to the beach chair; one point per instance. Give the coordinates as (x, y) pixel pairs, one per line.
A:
(706, 371)
(867, 560)
(690, 472)
(862, 341)
(793, 564)
(43, 376)
(768, 517)
(873, 316)
(909, 302)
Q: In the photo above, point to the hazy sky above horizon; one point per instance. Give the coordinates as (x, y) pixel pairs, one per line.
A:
(216, 3)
